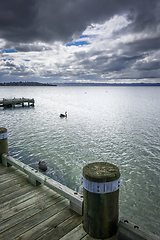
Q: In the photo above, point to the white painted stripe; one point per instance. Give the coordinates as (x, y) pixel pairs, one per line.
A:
(3, 135)
(101, 188)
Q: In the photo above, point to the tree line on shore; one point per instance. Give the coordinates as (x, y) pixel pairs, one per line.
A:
(26, 84)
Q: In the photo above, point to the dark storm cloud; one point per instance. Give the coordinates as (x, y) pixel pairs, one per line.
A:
(17, 19)
(152, 65)
(144, 45)
(103, 64)
(51, 20)
(31, 48)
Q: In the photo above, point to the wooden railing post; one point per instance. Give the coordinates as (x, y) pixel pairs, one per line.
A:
(101, 183)
(3, 142)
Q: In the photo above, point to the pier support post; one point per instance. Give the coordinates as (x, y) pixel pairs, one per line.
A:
(3, 142)
(101, 183)
(32, 102)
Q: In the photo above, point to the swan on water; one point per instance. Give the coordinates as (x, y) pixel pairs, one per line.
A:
(42, 166)
(63, 115)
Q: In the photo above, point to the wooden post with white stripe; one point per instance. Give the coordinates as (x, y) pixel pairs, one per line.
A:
(3, 142)
(101, 181)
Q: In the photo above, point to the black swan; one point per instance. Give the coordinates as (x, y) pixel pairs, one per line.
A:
(63, 115)
(42, 166)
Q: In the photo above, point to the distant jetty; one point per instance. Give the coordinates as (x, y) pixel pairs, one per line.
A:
(6, 103)
(26, 84)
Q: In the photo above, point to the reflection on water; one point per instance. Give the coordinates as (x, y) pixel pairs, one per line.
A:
(119, 125)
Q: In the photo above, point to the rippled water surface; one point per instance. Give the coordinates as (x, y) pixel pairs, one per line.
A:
(120, 125)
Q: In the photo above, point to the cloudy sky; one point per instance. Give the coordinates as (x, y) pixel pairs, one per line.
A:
(80, 40)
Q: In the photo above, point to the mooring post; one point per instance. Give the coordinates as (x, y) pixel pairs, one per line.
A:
(3, 142)
(32, 102)
(101, 181)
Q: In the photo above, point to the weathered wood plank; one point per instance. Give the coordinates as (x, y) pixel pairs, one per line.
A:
(6, 177)
(77, 233)
(45, 197)
(32, 221)
(11, 183)
(13, 188)
(17, 193)
(115, 237)
(29, 212)
(47, 225)
(14, 202)
(9, 175)
(63, 228)
(25, 208)
(4, 170)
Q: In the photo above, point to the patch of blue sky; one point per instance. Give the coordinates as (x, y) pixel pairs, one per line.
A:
(77, 43)
(9, 59)
(11, 50)
(84, 36)
(26, 60)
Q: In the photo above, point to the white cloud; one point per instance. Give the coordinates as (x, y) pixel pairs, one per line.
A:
(108, 56)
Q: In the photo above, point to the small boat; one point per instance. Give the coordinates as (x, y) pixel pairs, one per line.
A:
(63, 115)
(42, 166)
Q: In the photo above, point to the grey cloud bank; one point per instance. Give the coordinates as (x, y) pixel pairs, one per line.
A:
(114, 40)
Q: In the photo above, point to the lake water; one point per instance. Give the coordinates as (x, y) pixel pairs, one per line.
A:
(119, 125)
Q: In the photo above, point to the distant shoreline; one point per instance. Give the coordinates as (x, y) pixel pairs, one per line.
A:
(79, 84)
(109, 84)
(26, 84)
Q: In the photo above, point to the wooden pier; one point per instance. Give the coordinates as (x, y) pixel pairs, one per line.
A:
(38, 212)
(29, 212)
(16, 101)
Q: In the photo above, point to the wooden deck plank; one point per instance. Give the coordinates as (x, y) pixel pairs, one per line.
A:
(77, 233)
(13, 210)
(63, 228)
(20, 199)
(47, 225)
(26, 213)
(11, 183)
(11, 175)
(33, 220)
(14, 175)
(7, 171)
(32, 212)
(4, 170)
(10, 189)
(16, 193)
